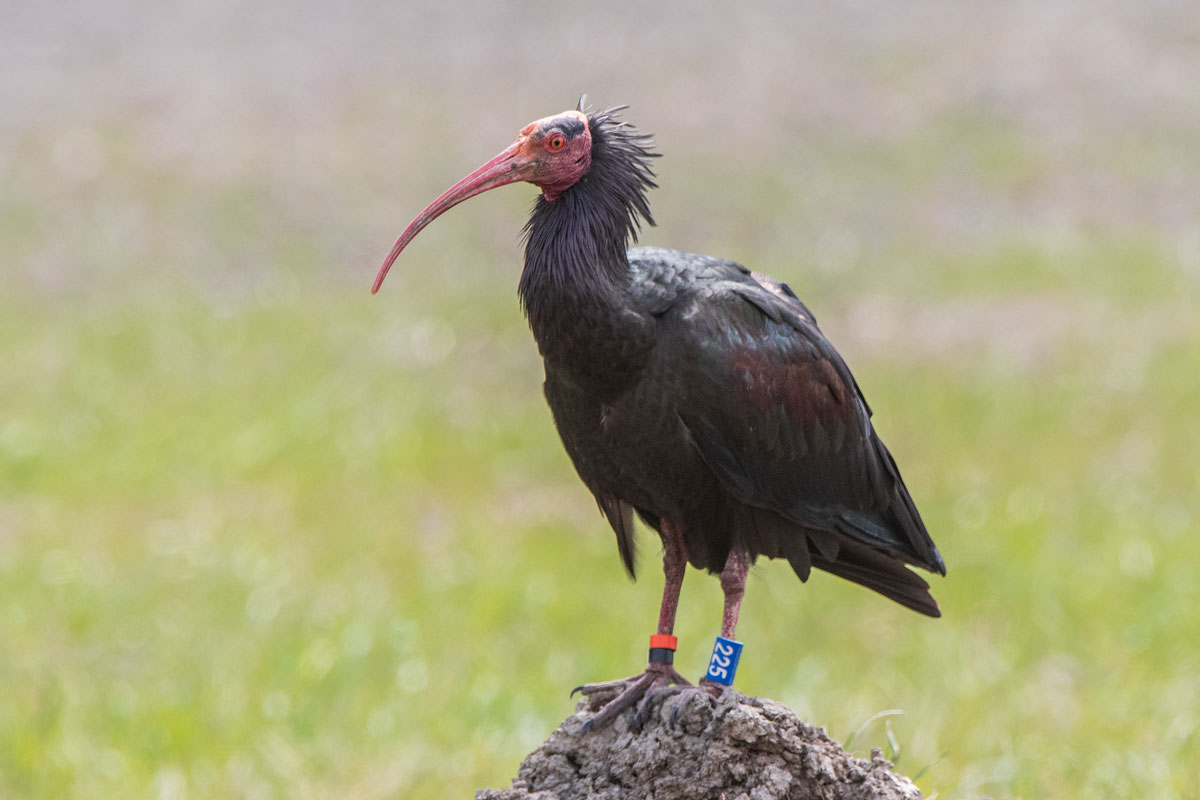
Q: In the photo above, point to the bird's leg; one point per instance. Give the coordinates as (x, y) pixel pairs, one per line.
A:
(674, 567)
(733, 584)
(659, 674)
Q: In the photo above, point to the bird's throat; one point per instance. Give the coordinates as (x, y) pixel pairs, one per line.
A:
(574, 265)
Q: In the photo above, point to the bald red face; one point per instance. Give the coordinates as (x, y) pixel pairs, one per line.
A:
(552, 153)
(561, 146)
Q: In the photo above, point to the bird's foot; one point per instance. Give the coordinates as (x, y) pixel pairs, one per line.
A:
(656, 683)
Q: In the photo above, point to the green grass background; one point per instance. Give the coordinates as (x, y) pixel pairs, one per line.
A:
(263, 535)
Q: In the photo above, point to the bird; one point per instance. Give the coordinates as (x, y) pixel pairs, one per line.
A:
(691, 393)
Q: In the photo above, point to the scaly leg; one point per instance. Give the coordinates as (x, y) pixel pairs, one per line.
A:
(733, 584)
(658, 677)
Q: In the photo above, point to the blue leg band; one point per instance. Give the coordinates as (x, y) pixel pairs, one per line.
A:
(724, 662)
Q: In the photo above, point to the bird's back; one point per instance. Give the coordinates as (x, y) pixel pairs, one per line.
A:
(739, 420)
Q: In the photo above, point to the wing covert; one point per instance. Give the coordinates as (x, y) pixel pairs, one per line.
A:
(777, 415)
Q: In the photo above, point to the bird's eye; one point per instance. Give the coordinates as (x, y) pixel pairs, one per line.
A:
(557, 141)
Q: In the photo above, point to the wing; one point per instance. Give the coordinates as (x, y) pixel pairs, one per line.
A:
(777, 416)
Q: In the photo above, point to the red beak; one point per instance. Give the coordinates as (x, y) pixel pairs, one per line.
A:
(512, 165)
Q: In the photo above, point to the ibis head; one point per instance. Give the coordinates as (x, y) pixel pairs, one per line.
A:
(552, 153)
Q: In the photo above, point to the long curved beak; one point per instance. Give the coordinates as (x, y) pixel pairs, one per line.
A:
(512, 165)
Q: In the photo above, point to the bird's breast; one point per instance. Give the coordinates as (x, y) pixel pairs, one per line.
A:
(629, 444)
(601, 354)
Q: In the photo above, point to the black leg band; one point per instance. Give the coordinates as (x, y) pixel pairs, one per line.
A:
(661, 655)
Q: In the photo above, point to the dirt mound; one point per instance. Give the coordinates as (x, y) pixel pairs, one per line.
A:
(737, 748)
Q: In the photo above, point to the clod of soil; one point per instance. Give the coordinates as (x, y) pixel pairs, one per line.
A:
(692, 747)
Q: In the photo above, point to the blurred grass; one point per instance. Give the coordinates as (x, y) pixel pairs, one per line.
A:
(263, 535)
(308, 543)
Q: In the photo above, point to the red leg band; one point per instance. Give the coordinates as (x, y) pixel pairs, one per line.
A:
(664, 641)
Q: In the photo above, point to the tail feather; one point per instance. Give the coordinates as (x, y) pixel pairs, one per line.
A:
(762, 531)
(620, 517)
(882, 573)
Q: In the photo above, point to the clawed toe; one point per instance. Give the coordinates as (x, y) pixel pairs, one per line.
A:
(652, 698)
(588, 689)
(641, 691)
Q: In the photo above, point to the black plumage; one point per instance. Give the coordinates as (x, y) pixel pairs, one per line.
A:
(689, 390)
